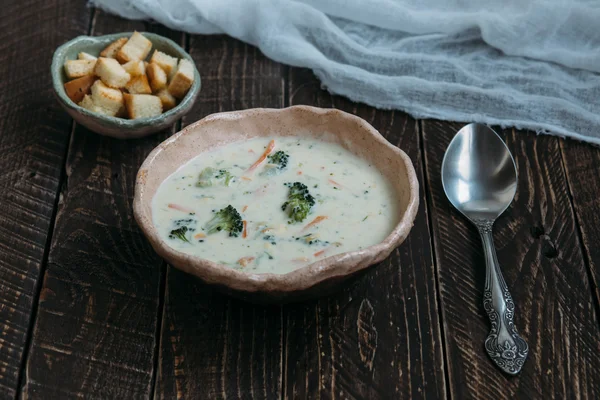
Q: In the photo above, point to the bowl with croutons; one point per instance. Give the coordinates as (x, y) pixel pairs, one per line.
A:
(125, 85)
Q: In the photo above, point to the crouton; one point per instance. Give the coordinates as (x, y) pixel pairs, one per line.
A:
(111, 50)
(135, 68)
(79, 68)
(138, 85)
(109, 100)
(136, 48)
(167, 100)
(85, 56)
(165, 61)
(78, 88)
(142, 105)
(111, 72)
(87, 103)
(157, 76)
(182, 80)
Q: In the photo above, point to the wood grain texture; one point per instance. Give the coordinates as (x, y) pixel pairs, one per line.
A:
(379, 337)
(95, 333)
(212, 346)
(34, 134)
(582, 165)
(542, 261)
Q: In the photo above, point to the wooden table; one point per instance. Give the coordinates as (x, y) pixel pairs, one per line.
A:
(88, 310)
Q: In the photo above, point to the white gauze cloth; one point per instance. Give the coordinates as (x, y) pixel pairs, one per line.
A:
(522, 63)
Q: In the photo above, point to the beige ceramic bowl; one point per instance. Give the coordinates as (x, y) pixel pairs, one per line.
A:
(216, 130)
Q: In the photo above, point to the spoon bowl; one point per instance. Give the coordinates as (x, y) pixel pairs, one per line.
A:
(479, 177)
(479, 173)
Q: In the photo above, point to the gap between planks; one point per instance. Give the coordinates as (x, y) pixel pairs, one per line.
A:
(586, 256)
(162, 295)
(440, 309)
(42, 273)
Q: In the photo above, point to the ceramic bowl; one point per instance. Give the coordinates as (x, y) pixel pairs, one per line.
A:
(111, 126)
(216, 130)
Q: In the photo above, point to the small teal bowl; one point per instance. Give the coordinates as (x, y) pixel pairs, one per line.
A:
(112, 126)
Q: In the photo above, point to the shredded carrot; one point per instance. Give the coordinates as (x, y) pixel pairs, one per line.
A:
(335, 183)
(245, 208)
(199, 235)
(318, 253)
(315, 221)
(301, 259)
(260, 192)
(245, 261)
(246, 178)
(299, 172)
(262, 158)
(180, 208)
(244, 232)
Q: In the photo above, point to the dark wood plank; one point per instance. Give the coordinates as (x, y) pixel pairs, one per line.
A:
(95, 334)
(543, 264)
(379, 337)
(582, 165)
(211, 345)
(34, 133)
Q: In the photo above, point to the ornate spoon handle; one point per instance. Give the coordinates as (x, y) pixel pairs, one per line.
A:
(504, 345)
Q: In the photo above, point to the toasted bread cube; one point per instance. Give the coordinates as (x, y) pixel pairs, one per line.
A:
(167, 99)
(182, 80)
(111, 72)
(139, 85)
(78, 88)
(142, 105)
(136, 48)
(85, 56)
(108, 99)
(87, 102)
(111, 50)
(135, 68)
(165, 61)
(157, 76)
(79, 68)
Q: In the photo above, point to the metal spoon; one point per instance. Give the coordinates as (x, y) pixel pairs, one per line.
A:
(480, 179)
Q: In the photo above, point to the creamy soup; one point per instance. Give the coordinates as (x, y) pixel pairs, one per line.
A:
(274, 205)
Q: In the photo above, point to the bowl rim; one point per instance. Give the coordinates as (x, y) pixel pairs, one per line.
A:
(303, 278)
(59, 89)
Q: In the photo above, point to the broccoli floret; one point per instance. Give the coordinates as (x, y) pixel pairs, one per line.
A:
(212, 177)
(182, 227)
(299, 202)
(179, 234)
(278, 161)
(226, 219)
